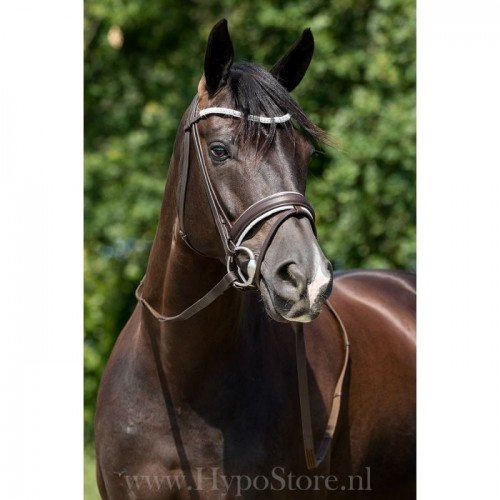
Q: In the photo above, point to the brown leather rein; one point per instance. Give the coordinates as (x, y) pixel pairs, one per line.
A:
(283, 205)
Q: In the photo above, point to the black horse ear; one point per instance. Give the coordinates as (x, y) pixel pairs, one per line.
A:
(218, 57)
(292, 67)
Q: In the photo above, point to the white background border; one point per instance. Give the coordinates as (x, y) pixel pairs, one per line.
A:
(458, 248)
(41, 245)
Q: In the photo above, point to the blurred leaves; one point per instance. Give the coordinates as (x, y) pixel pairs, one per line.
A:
(143, 60)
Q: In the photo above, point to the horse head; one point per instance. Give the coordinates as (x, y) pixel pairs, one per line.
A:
(254, 143)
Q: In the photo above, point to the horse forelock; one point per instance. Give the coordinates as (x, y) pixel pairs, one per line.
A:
(254, 91)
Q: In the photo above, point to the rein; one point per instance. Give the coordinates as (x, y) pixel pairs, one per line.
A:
(313, 460)
(287, 204)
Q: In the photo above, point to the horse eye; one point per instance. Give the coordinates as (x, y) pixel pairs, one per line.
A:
(218, 152)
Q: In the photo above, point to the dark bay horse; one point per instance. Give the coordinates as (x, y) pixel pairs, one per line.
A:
(200, 397)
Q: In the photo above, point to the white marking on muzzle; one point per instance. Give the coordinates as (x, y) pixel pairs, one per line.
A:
(320, 280)
(305, 318)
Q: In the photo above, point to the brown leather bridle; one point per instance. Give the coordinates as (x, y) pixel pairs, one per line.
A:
(287, 204)
(282, 205)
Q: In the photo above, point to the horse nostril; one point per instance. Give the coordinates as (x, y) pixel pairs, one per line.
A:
(290, 281)
(282, 271)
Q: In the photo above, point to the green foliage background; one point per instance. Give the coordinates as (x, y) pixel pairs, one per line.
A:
(360, 87)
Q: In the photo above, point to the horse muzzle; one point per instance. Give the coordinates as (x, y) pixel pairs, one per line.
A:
(294, 277)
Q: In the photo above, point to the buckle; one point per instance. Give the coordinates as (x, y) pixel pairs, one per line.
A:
(251, 267)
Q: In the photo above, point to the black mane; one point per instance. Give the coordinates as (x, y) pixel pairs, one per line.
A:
(256, 92)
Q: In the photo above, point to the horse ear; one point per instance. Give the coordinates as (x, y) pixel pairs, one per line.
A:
(218, 57)
(292, 67)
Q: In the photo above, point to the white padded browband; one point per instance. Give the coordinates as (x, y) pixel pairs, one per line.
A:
(239, 114)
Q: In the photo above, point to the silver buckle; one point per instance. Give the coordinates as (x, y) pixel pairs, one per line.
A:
(252, 265)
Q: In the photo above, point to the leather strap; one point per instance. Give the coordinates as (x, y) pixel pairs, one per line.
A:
(225, 283)
(313, 459)
(276, 200)
(222, 223)
(185, 174)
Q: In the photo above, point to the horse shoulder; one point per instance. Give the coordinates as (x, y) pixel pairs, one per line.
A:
(130, 416)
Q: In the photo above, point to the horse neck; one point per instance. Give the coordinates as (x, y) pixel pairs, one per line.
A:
(176, 277)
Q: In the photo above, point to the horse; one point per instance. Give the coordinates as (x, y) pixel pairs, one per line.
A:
(246, 352)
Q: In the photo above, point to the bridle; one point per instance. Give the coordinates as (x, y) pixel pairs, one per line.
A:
(282, 205)
(232, 235)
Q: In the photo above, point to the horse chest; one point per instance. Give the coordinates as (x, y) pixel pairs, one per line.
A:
(240, 430)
